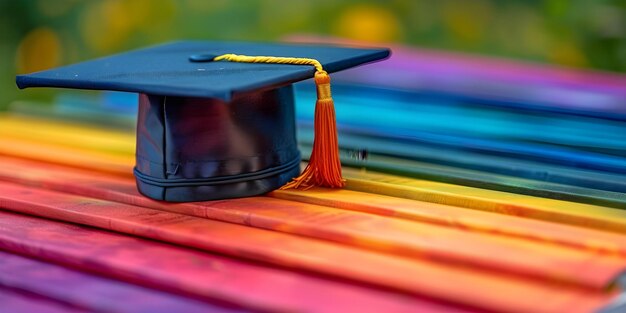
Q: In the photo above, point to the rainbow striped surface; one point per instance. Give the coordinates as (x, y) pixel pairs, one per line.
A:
(71, 215)
(452, 204)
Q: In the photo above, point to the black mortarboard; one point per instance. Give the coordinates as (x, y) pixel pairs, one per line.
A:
(215, 128)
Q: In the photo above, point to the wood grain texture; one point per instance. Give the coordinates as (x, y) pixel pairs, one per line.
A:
(411, 158)
(417, 277)
(567, 190)
(586, 215)
(442, 256)
(89, 292)
(13, 302)
(206, 276)
(418, 241)
(81, 136)
(123, 190)
(87, 159)
(463, 218)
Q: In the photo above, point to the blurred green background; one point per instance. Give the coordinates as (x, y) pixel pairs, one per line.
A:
(40, 34)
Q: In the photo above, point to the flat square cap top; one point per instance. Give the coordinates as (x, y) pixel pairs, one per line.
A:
(168, 69)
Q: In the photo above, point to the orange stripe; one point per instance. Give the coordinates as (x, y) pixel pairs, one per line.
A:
(87, 159)
(466, 219)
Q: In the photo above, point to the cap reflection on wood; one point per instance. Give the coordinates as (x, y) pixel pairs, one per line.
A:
(324, 167)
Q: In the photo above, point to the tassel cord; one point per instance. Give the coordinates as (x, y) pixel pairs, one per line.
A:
(324, 167)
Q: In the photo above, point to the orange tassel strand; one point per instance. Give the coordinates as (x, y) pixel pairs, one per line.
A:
(324, 168)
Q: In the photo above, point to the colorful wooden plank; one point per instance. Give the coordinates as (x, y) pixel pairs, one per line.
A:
(509, 166)
(70, 155)
(450, 130)
(212, 277)
(470, 220)
(404, 148)
(388, 112)
(507, 203)
(618, 305)
(478, 179)
(195, 273)
(14, 302)
(90, 159)
(563, 212)
(72, 138)
(602, 218)
(89, 292)
(421, 241)
(479, 79)
(123, 190)
(94, 138)
(75, 135)
(397, 113)
(105, 117)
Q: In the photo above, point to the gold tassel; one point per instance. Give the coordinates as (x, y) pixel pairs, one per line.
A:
(324, 168)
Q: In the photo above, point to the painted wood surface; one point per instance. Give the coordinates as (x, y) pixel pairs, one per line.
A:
(417, 241)
(90, 292)
(200, 275)
(15, 302)
(573, 213)
(390, 235)
(123, 190)
(566, 212)
(466, 168)
(432, 239)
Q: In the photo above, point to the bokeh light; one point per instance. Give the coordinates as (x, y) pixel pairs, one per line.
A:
(39, 34)
(369, 23)
(39, 50)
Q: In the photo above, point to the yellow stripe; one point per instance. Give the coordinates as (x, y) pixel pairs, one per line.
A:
(68, 135)
(565, 212)
(462, 218)
(70, 156)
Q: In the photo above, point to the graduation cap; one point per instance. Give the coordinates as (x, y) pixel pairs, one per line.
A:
(216, 119)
